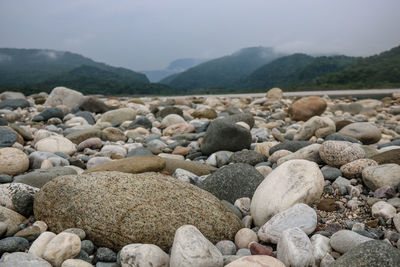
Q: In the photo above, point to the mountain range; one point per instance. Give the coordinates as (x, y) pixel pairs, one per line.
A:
(247, 70)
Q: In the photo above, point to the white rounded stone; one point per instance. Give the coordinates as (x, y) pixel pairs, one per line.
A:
(244, 237)
(383, 209)
(54, 144)
(295, 181)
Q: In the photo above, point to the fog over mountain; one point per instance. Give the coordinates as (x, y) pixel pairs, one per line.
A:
(148, 35)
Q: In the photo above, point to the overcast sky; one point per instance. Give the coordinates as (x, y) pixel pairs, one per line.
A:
(148, 34)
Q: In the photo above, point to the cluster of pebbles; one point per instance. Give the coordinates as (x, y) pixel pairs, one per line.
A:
(199, 181)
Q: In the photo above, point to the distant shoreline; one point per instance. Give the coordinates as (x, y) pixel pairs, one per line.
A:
(334, 93)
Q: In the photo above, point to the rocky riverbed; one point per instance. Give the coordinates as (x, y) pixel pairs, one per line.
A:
(199, 181)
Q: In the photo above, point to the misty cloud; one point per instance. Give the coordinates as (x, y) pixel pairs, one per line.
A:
(144, 35)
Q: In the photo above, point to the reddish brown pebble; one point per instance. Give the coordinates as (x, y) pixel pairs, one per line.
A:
(258, 249)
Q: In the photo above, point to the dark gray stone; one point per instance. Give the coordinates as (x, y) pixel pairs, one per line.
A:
(4, 179)
(169, 110)
(292, 146)
(7, 137)
(83, 255)
(331, 173)
(245, 117)
(93, 104)
(232, 182)
(372, 254)
(3, 121)
(40, 177)
(105, 255)
(141, 122)
(87, 246)
(247, 156)
(14, 103)
(13, 244)
(48, 114)
(222, 135)
(340, 137)
(23, 203)
(87, 116)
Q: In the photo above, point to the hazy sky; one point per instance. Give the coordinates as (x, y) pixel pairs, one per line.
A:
(148, 34)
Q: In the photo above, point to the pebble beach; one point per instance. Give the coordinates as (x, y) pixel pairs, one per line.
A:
(237, 181)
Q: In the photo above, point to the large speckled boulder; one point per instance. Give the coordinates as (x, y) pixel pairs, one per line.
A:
(338, 153)
(115, 209)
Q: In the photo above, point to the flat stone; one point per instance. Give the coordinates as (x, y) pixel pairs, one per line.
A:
(391, 156)
(194, 167)
(82, 135)
(344, 240)
(22, 259)
(40, 177)
(365, 132)
(292, 182)
(13, 244)
(291, 146)
(14, 103)
(146, 213)
(137, 164)
(300, 215)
